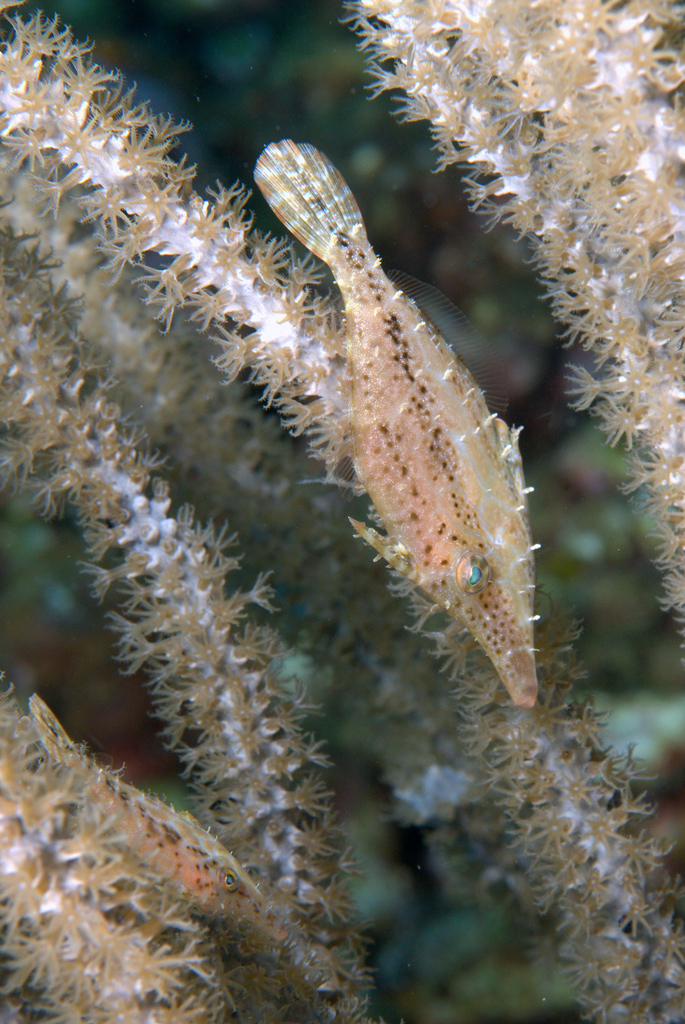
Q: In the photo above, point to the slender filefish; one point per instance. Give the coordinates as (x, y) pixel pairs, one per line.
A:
(172, 842)
(443, 472)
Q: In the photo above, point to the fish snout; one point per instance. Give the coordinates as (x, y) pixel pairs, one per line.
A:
(255, 908)
(519, 676)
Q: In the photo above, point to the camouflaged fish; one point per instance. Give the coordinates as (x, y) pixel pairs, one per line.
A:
(443, 472)
(172, 842)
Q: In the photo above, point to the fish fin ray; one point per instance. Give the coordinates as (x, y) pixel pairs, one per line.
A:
(308, 194)
(52, 734)
(458, 333)
(393, 552)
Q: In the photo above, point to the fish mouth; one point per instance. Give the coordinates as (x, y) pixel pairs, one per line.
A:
(519, 677)
(253, 907)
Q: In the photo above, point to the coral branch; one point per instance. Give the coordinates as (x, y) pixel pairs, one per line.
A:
(574, 119)
(66, 117)
(249, 762)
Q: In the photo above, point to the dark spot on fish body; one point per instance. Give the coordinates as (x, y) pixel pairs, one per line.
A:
(354, 255)
(170, 834)
(394, 332)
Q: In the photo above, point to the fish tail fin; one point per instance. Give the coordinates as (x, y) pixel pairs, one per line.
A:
(52, 735)
(308, 194)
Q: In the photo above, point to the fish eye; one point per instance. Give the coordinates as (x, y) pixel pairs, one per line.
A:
(229, 881)
(473, 573)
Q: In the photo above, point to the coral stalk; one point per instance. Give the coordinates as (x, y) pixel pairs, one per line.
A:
(250, 765)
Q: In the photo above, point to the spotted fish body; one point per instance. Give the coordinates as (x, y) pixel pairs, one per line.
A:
(443, 472)
(171, 842)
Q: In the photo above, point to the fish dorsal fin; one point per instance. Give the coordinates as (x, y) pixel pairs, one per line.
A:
(102, 760)
(477, 354)
(52, 735)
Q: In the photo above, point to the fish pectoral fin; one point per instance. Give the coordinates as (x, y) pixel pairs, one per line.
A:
(393, 552)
